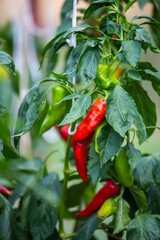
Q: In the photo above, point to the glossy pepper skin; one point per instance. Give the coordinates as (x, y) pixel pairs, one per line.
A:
(63, 132)
(105, 79)
(57, 109)
(108, 208)
(94, 117)
(4, 191)
(109, 190)
(80, 150)
(123, 168)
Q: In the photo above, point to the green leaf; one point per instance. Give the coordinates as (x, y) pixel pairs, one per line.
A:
(95, 6)
(144, 226)
(5, 214)
(87, 72)
(137, 17)
(144, 36)
(86, 231)
(112, 27)
(139, 197)
(142, 3)
(121, 110)
(133, 155)
(144, 172)
(60, 39)
(74, 59)
(76, 191)
(133, 75)
(67, 9)
(141, 128)
(42, 213)
(4, 130)
(7, 61)
(145, 106)
(109, 143)
(132, 51)
(152, 73)
(30, 110)
(121, 218)
(128, 5)
(95, 169)
(78, 109)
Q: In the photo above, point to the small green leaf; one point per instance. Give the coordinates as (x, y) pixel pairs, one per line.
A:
(112, 27)
(4, 130)
(144, 36)
(121, 218)
(137, 17)
(94, 6)
(74, 59)
(144, 172)
(67, 9)
(5, 214)
(93, 165)
(139, 197)
(128, 5)
(152, 73)
(109, 143)
(76, 191)
(133, 75)
(132, 51)
(141, 128)
(78, 109)
(133, 155)
(145, 106)
(87, 72)
(87, 229)
(121, 110)
(144, 226)
(30, 110)
(95, 169)
(142, 3)
(7, 61)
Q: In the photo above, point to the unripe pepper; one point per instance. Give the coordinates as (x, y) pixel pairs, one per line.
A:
(80, 150)
(109, 190)
(57, 109)
(94, 117)
(123, 168)
(105, 79)
(5, 191)
(63, 132)
(108, 208)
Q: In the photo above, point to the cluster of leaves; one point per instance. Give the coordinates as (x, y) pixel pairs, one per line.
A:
(103, 34)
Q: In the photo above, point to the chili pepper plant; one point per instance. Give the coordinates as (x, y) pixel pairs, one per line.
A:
(101, 104)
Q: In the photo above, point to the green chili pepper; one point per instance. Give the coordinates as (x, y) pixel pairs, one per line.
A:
(123, 168)
(108, 208)
(58, 109)
(107, 77)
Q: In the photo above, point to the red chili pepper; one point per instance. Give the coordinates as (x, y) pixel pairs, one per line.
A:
(94, 117)
(63, 132)
(80, 150)
(5, 191)
(109, 190)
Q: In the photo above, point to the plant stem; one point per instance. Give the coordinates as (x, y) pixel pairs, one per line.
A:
(66, 172)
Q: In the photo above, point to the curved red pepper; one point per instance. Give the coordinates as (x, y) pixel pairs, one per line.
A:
(80, 150)
(63, 132)
(94, 117)
(5, 191)
(109, 190)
